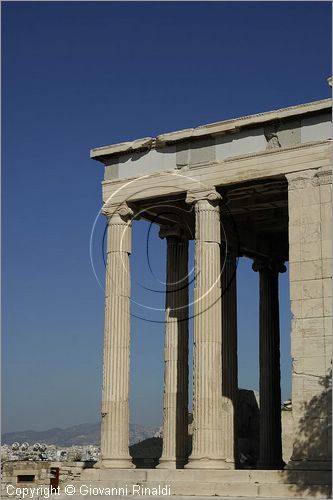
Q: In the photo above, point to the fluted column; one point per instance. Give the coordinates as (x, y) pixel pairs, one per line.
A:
(207, 449)
(116, 362)
(229, 356)
(270, 446)
(175, 411)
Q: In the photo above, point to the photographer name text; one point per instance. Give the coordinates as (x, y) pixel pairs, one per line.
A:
(70, 490)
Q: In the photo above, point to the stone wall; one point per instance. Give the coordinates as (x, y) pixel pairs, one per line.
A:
(310, 241)
(287, 434)
(41, 470)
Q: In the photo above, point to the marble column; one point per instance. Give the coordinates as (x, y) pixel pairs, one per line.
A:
(229, 356)
(175, 411)
(116, 362)
(270, 445)
(207, 449)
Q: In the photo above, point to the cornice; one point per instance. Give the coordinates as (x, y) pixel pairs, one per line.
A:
(211, 129)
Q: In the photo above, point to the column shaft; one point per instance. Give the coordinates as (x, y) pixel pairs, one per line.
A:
(207, 449)
(270, 445)
(116, 363)
(175, 412)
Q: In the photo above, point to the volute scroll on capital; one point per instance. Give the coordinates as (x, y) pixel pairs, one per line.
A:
(122, 210)
(195, 195)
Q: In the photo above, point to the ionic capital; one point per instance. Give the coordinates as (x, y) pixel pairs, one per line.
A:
(170, 232)
(196, 195)
(273, 265)
(122, 210)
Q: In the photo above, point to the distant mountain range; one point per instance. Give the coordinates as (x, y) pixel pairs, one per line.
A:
(83, 434)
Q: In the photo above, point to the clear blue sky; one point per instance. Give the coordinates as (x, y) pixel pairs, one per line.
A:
(77, 75)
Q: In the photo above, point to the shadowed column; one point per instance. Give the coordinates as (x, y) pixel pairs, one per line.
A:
(270, 446)
(116, 363)
(229, 356)
(175, 412)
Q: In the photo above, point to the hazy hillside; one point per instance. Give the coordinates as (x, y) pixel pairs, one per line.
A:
(82, 434)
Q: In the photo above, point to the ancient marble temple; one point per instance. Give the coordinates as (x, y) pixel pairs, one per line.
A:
(257, 186)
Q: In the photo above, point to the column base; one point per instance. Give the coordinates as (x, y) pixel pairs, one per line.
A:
(231, 464)
(115, 463)
(166, 463)
(206, 463)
